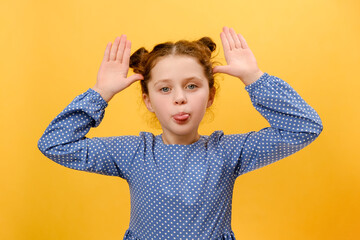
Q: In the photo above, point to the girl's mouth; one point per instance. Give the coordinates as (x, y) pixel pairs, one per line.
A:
(181, 117)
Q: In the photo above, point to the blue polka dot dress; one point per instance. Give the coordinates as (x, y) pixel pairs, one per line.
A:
(182, 191)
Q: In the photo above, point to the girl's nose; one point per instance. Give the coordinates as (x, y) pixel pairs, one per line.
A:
(179, 97)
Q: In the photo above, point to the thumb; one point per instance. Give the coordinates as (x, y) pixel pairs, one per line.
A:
(135, 77)
(221, 69)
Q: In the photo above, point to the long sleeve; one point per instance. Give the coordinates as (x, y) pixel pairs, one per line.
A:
(65, 143)
(294, 124)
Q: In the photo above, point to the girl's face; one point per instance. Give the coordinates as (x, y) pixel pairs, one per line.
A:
(178, 95)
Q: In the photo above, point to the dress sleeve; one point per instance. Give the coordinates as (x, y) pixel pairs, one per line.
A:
(65, 143)
(293, 125)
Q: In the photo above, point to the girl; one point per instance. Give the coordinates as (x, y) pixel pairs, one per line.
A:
(181, 183)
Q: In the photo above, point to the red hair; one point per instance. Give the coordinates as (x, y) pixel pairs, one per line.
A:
(142, 61)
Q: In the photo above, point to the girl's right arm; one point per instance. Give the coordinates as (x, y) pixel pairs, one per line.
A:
(64, 139)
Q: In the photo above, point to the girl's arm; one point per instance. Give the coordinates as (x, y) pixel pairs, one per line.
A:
(64, 139)
(294, 123)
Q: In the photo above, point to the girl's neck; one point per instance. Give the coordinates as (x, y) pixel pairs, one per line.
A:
(180, 140)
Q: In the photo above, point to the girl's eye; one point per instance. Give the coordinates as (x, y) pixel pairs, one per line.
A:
(191, 86)
(165, 89)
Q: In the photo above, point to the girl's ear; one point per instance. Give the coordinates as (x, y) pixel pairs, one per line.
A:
(211, 97)
(147, 102)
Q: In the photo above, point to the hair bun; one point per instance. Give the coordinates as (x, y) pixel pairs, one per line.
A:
(136, 58)
(208, 42)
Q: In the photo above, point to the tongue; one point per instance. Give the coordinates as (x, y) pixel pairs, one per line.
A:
(181, 117)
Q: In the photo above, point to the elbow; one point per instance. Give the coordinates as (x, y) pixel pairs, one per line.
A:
(314, 128)
(319, 125)
(42, 146)
(313, 135)
(319, 128)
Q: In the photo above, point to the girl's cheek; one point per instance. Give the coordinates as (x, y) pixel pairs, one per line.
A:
(161, 97)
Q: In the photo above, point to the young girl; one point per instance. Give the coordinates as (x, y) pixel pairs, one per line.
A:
(181, 183)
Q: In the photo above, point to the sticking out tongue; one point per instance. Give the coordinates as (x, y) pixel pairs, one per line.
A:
(181, 117)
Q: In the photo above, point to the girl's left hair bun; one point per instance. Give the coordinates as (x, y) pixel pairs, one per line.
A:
(136, 59)
(208, 42)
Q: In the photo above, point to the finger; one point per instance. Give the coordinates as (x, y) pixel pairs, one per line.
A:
(107, 51)
(243, 41)
(114, 48)
(235, 38)
(120, 52)
(224, 41)
(229, 38)
(126, 57)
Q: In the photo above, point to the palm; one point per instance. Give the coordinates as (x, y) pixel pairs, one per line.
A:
(112, 76)
(240, 60)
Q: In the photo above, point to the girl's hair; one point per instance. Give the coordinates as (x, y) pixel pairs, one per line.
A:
(142, 61)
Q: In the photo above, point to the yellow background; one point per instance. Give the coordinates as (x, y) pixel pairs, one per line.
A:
(51, 52)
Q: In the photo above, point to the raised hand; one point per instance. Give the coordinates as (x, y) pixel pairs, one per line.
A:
(241, 61)
(112, 76)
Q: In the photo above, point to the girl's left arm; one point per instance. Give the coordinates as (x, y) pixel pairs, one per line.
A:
(294, 123)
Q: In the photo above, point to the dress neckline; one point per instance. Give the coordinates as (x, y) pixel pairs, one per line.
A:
(160, 140)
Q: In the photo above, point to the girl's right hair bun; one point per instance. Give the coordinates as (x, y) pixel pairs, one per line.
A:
(136, 59)
(208, 42)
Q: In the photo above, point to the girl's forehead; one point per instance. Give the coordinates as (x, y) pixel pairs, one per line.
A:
(174, 66)
(176, 59)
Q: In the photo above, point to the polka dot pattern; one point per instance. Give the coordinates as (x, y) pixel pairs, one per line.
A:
(182, 191)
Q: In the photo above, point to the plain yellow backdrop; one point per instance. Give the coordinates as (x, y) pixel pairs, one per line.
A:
(51, 52)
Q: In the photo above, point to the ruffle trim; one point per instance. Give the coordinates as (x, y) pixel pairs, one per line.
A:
(226, 236)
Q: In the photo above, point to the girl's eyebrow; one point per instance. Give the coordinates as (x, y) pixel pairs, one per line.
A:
(161, 81)
(185, 79)
(193, 77)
